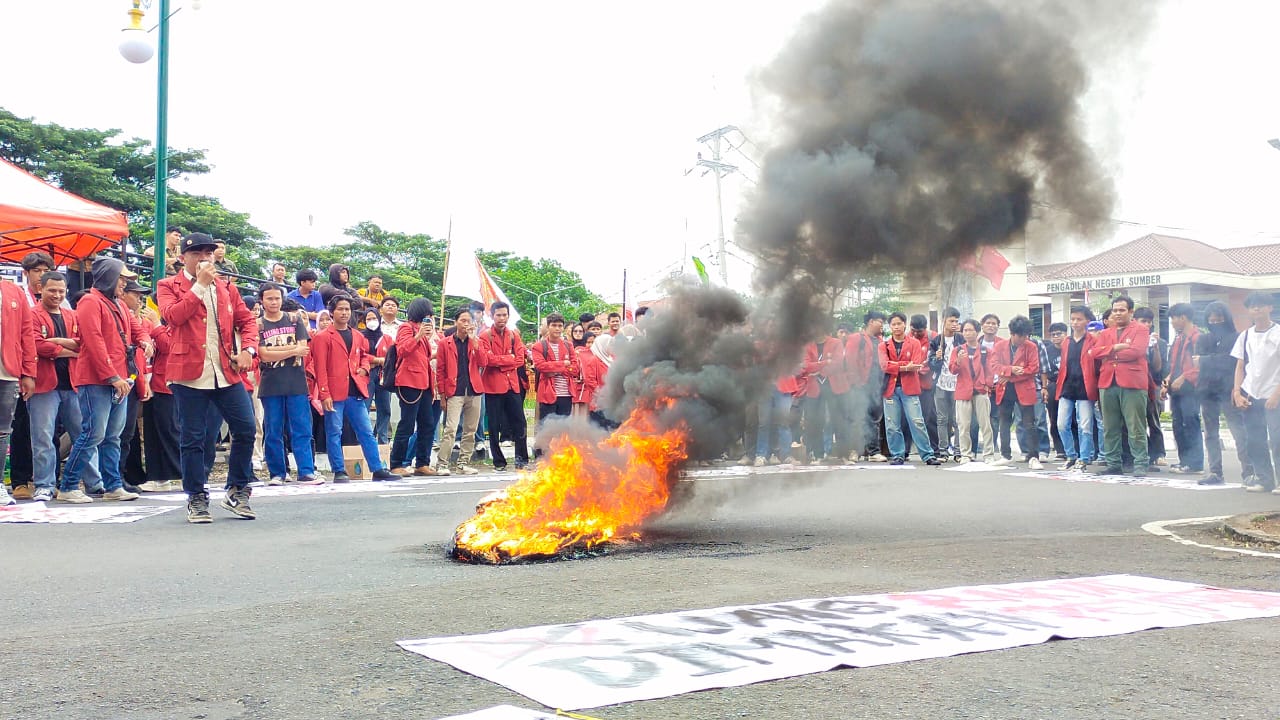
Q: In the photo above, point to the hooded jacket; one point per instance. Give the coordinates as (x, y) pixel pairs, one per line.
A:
(336, 287)
(104, 329)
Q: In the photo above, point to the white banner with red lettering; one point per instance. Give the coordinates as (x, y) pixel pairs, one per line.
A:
(605, 662)
(39, 512)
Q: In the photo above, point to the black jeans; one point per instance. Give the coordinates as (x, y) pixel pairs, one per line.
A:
(160, 427)
(21, 468)
(1028, 426)
(1211, 407)
(130, 443)
(563, 407)
(505, 413)
(236, 408)
(421, 416)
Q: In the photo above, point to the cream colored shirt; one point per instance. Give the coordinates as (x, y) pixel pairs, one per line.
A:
(211, 377)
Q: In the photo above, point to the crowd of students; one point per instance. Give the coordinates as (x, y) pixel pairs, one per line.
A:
(287, 373)
(1091, 393)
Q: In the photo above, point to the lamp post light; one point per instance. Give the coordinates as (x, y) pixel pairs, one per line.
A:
(135, 48)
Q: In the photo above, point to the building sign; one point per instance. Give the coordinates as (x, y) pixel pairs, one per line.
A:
(1106, 283)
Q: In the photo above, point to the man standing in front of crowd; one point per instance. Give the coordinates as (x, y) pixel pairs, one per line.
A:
(825, 382)
(1256, 390)
(1180, 387)
(460, 370)
(557, 366)
(104, 375)
(866, 380)
(306, 295)
(902, 358)
(502, 353)
(941, 348)
(1017, 367)
(283, 344)
(206, 316)
(1123, 379)
(1077, 390)
(54, 397)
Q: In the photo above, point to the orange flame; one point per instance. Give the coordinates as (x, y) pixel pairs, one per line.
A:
(581, 495)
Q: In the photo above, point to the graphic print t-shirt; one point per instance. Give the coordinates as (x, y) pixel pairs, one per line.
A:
(283, 377)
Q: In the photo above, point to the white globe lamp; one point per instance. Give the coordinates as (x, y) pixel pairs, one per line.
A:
(135, 46)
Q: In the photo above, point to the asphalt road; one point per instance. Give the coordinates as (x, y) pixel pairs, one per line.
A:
(296, 614)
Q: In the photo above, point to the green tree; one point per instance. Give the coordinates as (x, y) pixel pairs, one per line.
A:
(868, 289)
(523, 279)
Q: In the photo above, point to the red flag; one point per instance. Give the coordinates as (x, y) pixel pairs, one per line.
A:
(987, 262)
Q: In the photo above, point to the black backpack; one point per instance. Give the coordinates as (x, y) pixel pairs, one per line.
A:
(388, 381)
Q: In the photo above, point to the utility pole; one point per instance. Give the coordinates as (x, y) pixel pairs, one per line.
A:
(714, 139)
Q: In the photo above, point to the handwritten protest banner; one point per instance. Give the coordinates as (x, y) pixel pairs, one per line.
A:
(39, 512)
(604, 662)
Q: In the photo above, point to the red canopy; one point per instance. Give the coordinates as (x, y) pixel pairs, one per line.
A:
(35, 215)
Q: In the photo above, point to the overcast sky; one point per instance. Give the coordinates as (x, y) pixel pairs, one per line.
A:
(565, 129)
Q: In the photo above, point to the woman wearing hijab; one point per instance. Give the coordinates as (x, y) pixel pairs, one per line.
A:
(379, 396)
(415, 385)
(578, 335)
(595, 367)
(1217, 371)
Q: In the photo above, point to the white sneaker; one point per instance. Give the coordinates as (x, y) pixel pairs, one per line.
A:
(74, 496)
(258, 465)
(775, 460)
(5, 498)
(878, 457)
(466, 470)
(760, 462)
(276, 480)
(1000, 462)
(442, 469)
(963, 459)
(120, 494)
(153, 486)
(43, 495)
(1034, 464)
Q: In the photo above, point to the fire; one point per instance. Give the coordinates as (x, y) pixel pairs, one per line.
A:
(580, 496)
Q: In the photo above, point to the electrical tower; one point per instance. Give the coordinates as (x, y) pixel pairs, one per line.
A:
(714, 139)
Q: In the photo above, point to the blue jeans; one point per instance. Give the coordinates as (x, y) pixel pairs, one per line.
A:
(196, 438)
(774, 412)
(915, 418)
(96, 450)
(1262, 440)
(354, 411)
(381, 398)
(1082, 412)
(293, 412)
(45, 409)
(1185, 407)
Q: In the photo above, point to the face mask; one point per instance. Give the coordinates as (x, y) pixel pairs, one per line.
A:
(371, 324)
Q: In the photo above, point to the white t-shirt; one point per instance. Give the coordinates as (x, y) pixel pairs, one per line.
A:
(1262, 370)
(946, 378)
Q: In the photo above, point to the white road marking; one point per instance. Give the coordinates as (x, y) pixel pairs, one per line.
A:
(1160, 528)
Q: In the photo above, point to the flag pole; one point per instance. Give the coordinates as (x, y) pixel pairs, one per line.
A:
(444, 279)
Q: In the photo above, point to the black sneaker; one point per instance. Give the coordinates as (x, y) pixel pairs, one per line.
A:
(1109, 470)
(237, 502)
(1210, 480)
(499, 468)
(340, 477)
(1154, 468)
(897, 461)
(96, 492)
(383, 475)
(130, 487)
(934, 461)
(198, 509)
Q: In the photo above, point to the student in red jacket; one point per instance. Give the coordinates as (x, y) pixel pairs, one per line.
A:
(970, 363)
(1077, 391)
(595, 371)
(502, 354)
(866, 383)
(1017, 363)
(826, 381)
(103, 377)
(416, 386)
(902, 358)
(207, 318)
(54, 398)
(558, 371)
(1123, 380)
(461, 393)
(342, 380)
(1180, 385)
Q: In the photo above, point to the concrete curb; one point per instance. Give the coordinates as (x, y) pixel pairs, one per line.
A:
(1239, 527)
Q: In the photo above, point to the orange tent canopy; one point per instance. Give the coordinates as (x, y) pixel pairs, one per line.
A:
(35, 215)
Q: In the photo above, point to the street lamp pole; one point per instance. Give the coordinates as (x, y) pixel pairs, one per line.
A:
(162, 147)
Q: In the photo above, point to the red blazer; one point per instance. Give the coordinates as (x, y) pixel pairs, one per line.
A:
(547, 367)
(185, 314)
(1180, 354)
(16, 332)
(1027, 356)
(859, 357)
(926, 375)
(334, 365)
(1123, 368)
(413, 359)
(500, 356)
(46, 352)
(159, 362)
(578, 384)
(830, 369)
(594, 374)
(891, 363)
(447, 366)
(973, 374)
(1087, 363)
(102, 354)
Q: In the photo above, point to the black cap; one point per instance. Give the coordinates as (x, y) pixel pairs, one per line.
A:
(133, 286)
(196, 241)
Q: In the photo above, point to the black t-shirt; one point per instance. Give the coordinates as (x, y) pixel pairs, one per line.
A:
(1073, 385)
(353, 390)
(282, 377)
(61, 365)
(464, 368)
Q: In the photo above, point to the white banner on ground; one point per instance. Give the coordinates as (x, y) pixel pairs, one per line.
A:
(363, 486)
(604, 662)
(974, 467)
(1180, 482)
(745, 470)
(504, 712)
(39, 512)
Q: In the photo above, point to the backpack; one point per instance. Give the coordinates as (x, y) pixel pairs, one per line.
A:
(388, 380)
